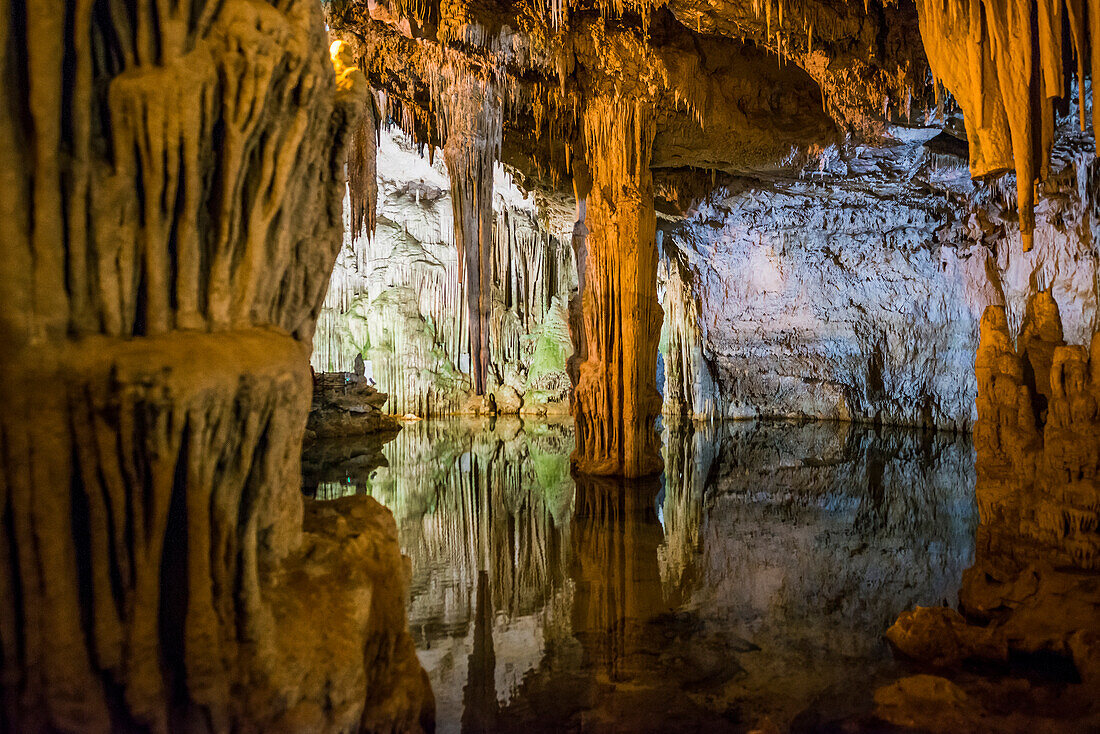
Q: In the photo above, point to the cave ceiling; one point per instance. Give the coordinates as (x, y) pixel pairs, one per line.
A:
(736, 86)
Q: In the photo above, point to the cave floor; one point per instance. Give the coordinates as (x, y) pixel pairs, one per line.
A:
(746, 588)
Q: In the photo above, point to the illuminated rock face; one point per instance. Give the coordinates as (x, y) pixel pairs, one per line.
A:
(399, 298)
(171, 192)
(897, 268)
(850, 295)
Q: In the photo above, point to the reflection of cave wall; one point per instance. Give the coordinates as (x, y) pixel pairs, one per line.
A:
(171, 212)
(813, 539)
(491, 498)
(788, 548)
(398, 297)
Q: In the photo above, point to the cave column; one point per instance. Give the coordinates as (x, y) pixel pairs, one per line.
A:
(616, 400)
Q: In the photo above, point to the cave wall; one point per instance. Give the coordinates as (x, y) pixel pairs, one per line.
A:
(171, 193)
(399, 298)
(856, 292)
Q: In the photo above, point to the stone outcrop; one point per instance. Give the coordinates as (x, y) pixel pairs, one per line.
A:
(171, 190)
(344, 404)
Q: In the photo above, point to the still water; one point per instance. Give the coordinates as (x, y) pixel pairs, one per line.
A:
(748, 586)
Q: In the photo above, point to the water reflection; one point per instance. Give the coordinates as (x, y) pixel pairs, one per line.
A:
(753, 580)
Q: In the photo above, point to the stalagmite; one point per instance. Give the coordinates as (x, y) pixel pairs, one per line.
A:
(616, 398)
(1031, 589)
(172, 179)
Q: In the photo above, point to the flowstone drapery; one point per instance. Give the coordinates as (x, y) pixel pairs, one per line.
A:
(1003, 60)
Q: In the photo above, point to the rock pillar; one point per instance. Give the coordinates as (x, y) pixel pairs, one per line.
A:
(473, 118)
(172, 177)
(616, 399)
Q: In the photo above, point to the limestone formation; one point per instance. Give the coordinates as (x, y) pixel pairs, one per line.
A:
(399, 299)
(172, 178)
(1004, 61)
(471, 124)
(616, 398)
(466, 80)
(856, 291)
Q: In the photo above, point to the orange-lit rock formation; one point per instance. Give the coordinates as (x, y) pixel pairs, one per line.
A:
(1005, 62)
(616, 398)
(172, 179)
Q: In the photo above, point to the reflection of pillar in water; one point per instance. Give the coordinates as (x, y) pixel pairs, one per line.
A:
(618, 587)
(479, 698)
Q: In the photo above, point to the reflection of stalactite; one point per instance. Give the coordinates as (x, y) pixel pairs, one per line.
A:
(498, 502)
(618, 587)
(616, 398)
(480, 694)
(688, 452)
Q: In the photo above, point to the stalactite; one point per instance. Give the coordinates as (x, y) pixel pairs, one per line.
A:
(472, 120)
(400, 299)
(689, 388)
(362, 176)
(984, 51)
(616, 398)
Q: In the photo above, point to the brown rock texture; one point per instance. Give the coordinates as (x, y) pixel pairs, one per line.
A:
(172, 179)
